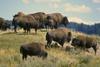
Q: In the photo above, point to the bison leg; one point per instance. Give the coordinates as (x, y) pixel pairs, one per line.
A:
(24, 56)
(15, 29)
(35, 30)
(28, 30)
(49, 43)
(24, 30)
(28, 27)
(95, 49)
(61, 42)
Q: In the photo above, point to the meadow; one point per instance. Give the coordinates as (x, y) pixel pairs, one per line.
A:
(57, 57)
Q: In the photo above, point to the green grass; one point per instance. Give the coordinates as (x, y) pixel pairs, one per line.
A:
(10, 56)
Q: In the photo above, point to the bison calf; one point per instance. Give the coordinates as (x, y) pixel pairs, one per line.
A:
(33, 49)
(84, 42)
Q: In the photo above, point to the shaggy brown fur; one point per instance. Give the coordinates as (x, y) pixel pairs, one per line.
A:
(59, 35)
(39, 16)
(54, 19)
(85, 42)
(33, 49)
(28, 21)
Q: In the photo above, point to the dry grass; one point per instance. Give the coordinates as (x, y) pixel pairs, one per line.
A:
(58, 57)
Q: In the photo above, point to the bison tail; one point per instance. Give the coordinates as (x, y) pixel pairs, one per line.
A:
(47, 36)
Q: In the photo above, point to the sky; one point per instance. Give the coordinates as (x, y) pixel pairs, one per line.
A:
(80, 11)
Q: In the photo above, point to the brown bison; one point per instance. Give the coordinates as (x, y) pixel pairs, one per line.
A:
(29, 21)
(1, 22)
(40, 17)
(55, 19)
(84, 42)
(59, 35)
(33, 49)
(20, 20)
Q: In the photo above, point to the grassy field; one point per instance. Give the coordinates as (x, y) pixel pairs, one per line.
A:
(10, 56)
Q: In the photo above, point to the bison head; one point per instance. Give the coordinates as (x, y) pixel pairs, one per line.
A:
(69, 36)
(75, 42)
(65, 21)
(18, 17)
(50, 22)
(43, 54)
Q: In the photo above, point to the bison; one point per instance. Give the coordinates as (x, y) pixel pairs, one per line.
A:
(29, 21)
(22, 21)
(1, 22)
(33, 49)
(40, 17)
(59, 35)
(55, 19)
(84, 42)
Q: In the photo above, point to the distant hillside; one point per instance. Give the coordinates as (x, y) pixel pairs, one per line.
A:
(88, 29)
